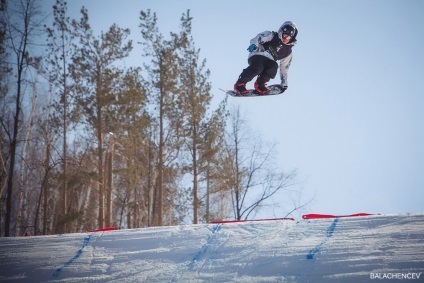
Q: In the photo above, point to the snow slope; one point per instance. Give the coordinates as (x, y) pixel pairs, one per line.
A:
(317, 250)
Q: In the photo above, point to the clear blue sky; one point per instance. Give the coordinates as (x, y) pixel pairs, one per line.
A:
(352, 119)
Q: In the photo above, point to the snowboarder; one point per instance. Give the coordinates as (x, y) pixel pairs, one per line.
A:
(265, 49)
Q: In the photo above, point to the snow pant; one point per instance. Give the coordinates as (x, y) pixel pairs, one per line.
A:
(260, 66)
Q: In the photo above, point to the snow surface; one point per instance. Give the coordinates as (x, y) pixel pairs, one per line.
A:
(316, 250)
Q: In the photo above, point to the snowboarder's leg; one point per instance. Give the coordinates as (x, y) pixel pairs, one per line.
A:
(269, 72)
(256, 66)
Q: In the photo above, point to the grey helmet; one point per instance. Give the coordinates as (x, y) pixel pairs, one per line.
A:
(288, 28)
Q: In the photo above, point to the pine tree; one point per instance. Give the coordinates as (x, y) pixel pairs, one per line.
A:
(196, 98)
(60, 43)
(213, 159)
(133, 175)
(95, 77)
(163, 91)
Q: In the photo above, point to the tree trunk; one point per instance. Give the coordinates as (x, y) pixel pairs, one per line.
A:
(159, 218)
(99, 129)
(109, 182)
(195, 197)
(45, 192)
(14, 142)
(65, 181)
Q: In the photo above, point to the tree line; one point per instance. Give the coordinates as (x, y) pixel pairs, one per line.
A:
(87, 142)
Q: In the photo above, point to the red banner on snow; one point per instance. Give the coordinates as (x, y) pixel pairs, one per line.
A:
(104, 229)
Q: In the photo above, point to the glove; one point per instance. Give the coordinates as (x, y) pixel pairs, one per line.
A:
(251, 48)
(284, 89)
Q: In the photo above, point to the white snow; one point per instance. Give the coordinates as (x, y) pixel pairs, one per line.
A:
(358, 249)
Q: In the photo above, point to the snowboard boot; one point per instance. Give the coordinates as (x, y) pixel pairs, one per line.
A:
(261, 88)
(240, 88)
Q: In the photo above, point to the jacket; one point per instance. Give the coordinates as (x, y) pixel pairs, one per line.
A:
(269, 45)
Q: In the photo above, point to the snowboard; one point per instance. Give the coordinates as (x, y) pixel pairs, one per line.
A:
(275, 89)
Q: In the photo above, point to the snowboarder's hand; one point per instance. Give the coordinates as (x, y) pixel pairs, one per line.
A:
(251, 48)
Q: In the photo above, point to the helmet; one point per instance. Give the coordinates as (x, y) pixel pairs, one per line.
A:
(288, 28)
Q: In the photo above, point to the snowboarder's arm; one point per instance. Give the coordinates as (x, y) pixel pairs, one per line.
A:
(284, 69)
(262, 38)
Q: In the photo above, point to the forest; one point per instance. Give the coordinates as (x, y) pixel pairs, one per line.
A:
(88, 143)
